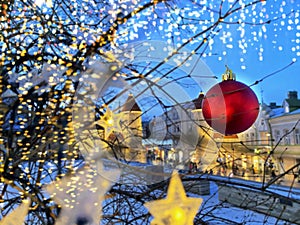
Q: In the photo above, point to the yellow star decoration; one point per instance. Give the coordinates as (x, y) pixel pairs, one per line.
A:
(80, 196)
(176, 208)
(111, 122)
(18, 215)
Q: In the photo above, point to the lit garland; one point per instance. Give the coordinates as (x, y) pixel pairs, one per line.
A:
(80, 195)
(33, 36)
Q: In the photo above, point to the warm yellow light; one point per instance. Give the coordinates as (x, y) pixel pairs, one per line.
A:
(176, 208)
(179, 215)
(86, 187)
(110, 121)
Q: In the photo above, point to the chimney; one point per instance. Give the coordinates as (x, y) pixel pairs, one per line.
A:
(292, 95)
(273, 105)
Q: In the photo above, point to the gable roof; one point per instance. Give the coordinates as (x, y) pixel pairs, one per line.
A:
(198, 101)
(279, 112)
(293, 103)
(131, 105)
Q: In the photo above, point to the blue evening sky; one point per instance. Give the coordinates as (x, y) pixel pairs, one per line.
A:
(257, 49)
(270, 48)
(252, 51)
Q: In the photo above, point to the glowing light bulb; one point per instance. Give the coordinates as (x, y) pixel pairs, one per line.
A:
(176, 208)
(110, 121)
(179, 216)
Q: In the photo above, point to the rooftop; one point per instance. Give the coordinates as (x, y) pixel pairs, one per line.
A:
(131, 105)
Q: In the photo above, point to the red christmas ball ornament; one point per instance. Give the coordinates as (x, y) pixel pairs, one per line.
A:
(230, 107)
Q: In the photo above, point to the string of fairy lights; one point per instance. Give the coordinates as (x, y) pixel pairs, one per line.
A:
(46, 46)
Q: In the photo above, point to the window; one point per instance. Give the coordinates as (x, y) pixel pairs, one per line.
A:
(277, 136)
(247, 137)
(297, 137)
(176, 129)
(175, 115)
(190, 127)
(169, 129)
(252, 136)
(287, 138)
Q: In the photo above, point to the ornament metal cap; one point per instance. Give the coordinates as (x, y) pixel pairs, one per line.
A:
(228, 75)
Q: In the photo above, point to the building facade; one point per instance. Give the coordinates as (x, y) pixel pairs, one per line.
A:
(271, 143)
(275, 136)
(183, 136)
